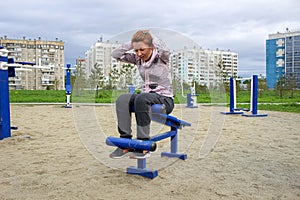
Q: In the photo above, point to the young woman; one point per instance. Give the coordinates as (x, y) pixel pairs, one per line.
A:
(152, 60)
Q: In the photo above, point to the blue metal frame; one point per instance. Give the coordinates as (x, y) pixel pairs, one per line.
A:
(141, 170)
(131, 89)
(4, 98)
(4, 105)
(190, 100)
(168, 120)
(232, 109)
(6, 72)
(68, 86)
(127, 143)
(254, 99)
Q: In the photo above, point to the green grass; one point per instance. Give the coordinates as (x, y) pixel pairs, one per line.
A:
(282, 107)
(286, 107)
(104, 96)
(268, 98)
(24, 96)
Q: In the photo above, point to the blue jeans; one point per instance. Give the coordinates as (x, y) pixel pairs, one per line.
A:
(142, 107)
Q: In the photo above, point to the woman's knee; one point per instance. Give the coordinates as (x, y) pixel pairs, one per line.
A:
(143, 100)
(123, 98)
(169, 103)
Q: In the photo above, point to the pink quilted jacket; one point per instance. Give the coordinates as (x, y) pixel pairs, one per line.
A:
(156, 76)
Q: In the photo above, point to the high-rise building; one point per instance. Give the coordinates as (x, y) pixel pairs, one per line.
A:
(81, 62)
(44, 53)
(206, 67)
(100, 54)
(283, 58)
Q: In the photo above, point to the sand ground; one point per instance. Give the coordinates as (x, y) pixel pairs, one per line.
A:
(60, 153)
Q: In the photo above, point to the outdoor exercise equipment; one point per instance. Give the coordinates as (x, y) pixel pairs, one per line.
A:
(253, 99)
(68, 86)
(192, 98)
(131, 89)
(232, 105)
(4, 95)
(6, 70)
(150, 145)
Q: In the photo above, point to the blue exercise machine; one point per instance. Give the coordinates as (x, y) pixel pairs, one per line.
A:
(253, 100)
(232, 99)
(192, 98)
(6, 70)
(68, 86)
(4, 94)
(150, 145)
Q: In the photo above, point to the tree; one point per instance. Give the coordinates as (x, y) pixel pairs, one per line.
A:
(56, 83)
(280, 85)
(180, 86)
(114, 76)
(200, 88)
(176, 84)
(79, 82)
(291, 84)
(262, 85)
(97, 78)
(248, 83)
(126, 73)
(222, 74)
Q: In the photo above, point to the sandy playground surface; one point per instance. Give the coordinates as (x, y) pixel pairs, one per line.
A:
(60, 153)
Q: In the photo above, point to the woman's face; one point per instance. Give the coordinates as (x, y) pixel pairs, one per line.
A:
(142, 50)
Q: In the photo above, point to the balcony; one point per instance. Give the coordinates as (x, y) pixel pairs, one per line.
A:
(279, 53)
(47, 83)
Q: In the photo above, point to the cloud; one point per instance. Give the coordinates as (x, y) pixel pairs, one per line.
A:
(242, 26)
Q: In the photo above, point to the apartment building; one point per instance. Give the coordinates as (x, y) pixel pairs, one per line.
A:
(49, 54)
(283, 57)
(206, 67)
(100, 54)
(81, 62)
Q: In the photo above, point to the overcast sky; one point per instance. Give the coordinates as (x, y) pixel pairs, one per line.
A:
(239, 25)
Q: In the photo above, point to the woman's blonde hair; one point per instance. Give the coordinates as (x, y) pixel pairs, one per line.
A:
(143, 36)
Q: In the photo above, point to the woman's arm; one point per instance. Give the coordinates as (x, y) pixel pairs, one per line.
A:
(121, 54)
(163, 51)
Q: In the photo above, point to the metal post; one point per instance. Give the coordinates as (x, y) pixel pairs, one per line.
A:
(232, 95)
(68, 86)
(141, 163)
(254, 99)
(232, 98)
(254, 95)
(4, 96)
(174, 142)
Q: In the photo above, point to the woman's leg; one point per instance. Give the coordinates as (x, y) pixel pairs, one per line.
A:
(123, 109)
(142, 105)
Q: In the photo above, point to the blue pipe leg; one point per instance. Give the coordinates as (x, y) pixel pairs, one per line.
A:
(4, 106)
